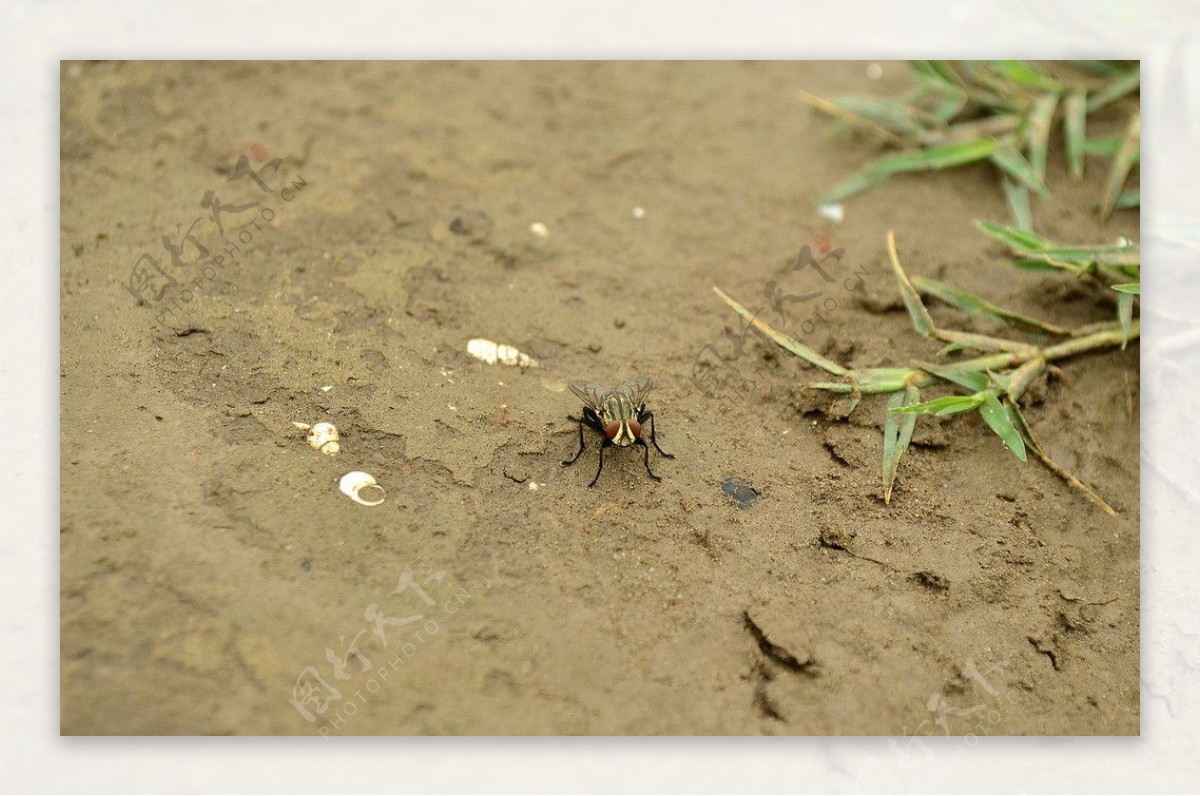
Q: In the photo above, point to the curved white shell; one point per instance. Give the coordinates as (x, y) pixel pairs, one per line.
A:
(353, 484)
(324, 437)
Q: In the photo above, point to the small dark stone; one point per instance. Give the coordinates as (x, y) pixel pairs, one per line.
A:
(739, 491)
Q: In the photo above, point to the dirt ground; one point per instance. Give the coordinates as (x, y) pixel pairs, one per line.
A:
(214, 580)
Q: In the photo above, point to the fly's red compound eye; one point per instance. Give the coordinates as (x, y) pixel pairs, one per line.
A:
(636, 428)
(612, 429)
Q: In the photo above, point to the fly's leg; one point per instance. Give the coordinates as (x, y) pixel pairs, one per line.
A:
(642, 418)
(603, 445)
(576, 456)
(646, 458)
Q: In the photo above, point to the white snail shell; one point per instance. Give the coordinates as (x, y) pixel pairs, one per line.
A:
(324, 437)
(353, 486)
(493, 353)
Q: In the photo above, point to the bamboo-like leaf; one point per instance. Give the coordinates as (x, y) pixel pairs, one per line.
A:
(1018, 204)
(1016, 166)
(1121, 165)
(1038, 133)
(855, 184)
(921, 319)
(950, 405)
(1132, 287)
(1125, 316)
(961, 299)
(972, 380)
(938, 157)
(782, 340)
(1075, 130)
(997, 418)
(897, 433)
(1115, 89)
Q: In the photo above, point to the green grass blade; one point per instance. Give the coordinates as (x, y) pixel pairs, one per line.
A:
(855, 184)
(897, 433)
(1129, 199)
(961, 299)
(1016, 166)
(851, 117)
(972, 380)
(1115, 89)
(1102, 146)
(965, 132)
(782, 340)
(921, 319)
(997, 418)
(1132, 287)
(950, 405)
(937, 75)
(938, 157)
(1075, 130)
(948, 107)
(894, 116)
(1023, 74)
(1018, 204)
(1121, 165)
(950, 349)
(1125, 316)
(1038, 133)
(1020, 241)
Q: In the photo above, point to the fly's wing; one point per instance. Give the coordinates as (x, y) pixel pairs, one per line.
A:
(591, 395)
(637, 390)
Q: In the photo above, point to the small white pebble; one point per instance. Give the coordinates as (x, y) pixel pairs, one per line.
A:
(533, 486)
(327, 389)
(539, 229)
(874, 71)
(639, 212)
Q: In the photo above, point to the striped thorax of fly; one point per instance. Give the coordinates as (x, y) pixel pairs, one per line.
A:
(617, 410)
(618, 414)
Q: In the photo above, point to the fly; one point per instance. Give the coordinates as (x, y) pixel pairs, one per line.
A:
(618, 415)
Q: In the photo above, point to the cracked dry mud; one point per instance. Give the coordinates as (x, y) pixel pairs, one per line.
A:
(208, 557)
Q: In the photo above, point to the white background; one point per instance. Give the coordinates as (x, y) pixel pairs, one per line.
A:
(35, 35)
